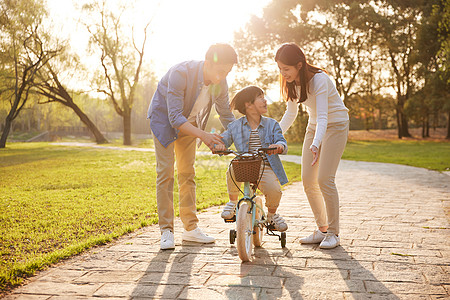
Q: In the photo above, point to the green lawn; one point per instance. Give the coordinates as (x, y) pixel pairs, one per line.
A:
(423, 154)
(57, 201)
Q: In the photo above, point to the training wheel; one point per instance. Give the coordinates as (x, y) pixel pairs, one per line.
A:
(283, 239)
(232, 236)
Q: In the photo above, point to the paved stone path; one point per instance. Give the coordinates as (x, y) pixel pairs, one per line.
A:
(395, 237)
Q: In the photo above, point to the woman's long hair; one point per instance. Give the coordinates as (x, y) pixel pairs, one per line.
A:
(290, 54)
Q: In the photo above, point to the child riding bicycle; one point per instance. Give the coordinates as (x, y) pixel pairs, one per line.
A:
(249, 133)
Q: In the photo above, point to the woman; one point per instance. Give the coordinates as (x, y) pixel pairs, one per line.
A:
(325, 138)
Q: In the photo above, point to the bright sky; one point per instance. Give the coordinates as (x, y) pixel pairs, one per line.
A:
(181, 29)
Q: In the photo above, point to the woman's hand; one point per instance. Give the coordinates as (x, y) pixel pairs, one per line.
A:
(315, 152)
(279, 149)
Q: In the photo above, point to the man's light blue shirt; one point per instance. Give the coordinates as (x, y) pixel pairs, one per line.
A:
(269, 131)
(175, 97)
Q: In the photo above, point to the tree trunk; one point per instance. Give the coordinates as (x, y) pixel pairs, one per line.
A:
(9, 119)
(399, 123)
(99, 138)
(402, 121)
(448, 126)
(405, 131)
(423, 128)
(6, 130)
(127, 127)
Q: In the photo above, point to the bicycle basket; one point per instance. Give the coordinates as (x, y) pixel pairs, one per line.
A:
(246, 168)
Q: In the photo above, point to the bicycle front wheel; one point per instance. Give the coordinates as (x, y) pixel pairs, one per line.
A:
(244, 232)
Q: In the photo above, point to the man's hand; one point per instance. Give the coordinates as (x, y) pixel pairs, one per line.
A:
(315, 152)
(279, 150)
(211, 139)
(208, 138)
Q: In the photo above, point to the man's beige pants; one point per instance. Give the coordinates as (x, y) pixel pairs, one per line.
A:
(319, 180)
(269, 186)
(183, 148)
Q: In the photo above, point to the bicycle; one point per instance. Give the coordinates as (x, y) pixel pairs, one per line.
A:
(249, 217)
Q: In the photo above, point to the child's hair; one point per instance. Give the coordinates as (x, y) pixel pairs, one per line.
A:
(221, 54)
(246, 95)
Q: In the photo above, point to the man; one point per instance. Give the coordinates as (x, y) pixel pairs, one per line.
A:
(178, 115)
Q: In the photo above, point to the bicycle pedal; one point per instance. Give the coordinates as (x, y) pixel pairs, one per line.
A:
(271, 227)
(232, 220)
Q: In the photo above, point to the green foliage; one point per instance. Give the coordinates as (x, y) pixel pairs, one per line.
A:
(373, 49)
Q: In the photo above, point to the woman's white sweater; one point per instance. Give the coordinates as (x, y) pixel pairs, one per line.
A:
(323, 106)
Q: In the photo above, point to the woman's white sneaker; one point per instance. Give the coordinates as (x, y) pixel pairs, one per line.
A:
(316, 237)
(330, 241)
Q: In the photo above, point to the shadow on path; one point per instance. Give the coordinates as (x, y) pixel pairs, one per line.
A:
(264, 278)
(171, 271)
(354, 274)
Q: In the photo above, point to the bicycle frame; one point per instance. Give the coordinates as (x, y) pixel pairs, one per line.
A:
(248, 197)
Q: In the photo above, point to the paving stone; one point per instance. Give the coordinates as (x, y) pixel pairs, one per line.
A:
(58, 288)
(404, 288)
(138, 290)
(267, 281)
(26, 297)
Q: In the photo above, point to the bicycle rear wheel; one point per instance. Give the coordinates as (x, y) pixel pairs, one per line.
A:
(244, 232)
(259, 232)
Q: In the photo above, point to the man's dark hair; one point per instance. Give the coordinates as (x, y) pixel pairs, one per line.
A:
(221, 54)
(246, 95)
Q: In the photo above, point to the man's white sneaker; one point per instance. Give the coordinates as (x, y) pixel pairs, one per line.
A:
(330, 241)
(167, 240)
(228, 211)
(316, 237)
(197, 236)
(277, 221)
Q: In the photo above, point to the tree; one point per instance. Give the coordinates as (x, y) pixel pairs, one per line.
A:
(444, 56)
(327, 32)
(121, 65)
(24, 53)
(50, 86)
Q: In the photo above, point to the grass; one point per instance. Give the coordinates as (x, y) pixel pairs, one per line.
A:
(423, 154)
(56, 201)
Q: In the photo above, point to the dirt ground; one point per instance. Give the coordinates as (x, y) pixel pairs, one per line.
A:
(391, 134)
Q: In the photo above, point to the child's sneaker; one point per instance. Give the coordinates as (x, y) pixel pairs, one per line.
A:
(229, 211)
(277, 221)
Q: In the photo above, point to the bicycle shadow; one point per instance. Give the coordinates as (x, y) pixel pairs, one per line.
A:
(167, 273)
(353, 272)
(264, 278)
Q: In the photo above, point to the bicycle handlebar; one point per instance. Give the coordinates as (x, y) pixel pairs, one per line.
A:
(223, 152)
(236, 153)
(267, 149)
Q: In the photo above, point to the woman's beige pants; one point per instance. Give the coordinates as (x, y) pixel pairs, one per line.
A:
(318, 180)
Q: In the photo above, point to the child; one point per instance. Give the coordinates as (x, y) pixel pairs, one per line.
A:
(249, 133)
